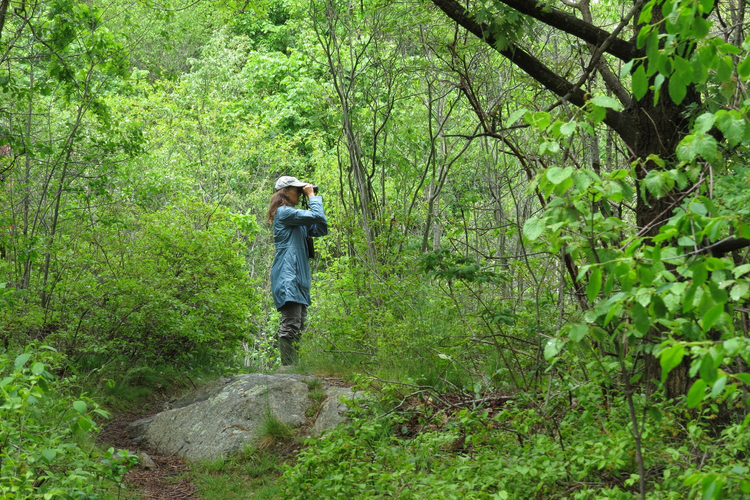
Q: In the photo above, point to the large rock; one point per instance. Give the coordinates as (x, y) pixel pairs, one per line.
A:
(227, 414)
(333, 410)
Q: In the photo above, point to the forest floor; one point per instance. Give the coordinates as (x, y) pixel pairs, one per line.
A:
(168, 480)
(171, 478)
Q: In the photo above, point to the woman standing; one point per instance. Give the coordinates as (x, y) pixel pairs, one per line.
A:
(290, 273)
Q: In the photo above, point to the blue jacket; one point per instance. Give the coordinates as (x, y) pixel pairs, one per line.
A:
(290, 273)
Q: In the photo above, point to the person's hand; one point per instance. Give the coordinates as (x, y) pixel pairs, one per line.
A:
(308, 190)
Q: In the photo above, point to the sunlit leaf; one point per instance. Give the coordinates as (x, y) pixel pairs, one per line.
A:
(607, 102)
(22, 359)
(557, 175)
(533, 228)
(696, 393)
(670, 358)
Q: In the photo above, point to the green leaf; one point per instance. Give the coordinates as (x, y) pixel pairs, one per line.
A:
(552, 348)
(646, 13)
(533, 228)
(37, 368)
(577, 332)
(557, 175)
(731, 346)
(641, 319)
(706, 6)
(658, 183)
(595, 284)
(704, 123)
(696, 393)
(626, 69)
(6, 381)
(85, 424)
(743, 68)
(711, 316)
(658, 81)
(658, 306)
(740, 270)
(645, 274)
(718, 387)
(686, 241)
(701, 27)
(687, 301)
(80, 407)
(567, 129)
(732, 127)
(698, 208)
(670, 358)
(515, 116)
(685, 150)
(540, 119)
(640, 83)
(606, 102)
(683, 70)
(700, 273)
(22, 359)
(655, 414)
(693, 146)
(725, 68)
(49, 455)
(705, 145)
(677, 90)
(708, 371)
(739, 290)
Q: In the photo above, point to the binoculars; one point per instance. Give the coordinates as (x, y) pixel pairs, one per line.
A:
(315, 189)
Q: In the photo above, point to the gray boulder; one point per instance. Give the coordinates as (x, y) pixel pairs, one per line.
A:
(227, 414)
(333, 410)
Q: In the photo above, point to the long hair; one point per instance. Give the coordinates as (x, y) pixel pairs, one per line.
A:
(279, 199)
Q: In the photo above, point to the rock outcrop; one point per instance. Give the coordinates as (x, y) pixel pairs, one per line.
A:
(222, 417)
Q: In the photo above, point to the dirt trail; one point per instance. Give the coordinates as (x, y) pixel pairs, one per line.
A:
(166, 481)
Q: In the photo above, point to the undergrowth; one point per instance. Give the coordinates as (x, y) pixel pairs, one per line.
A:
(251, 473)
(575, 447)
(47, 449)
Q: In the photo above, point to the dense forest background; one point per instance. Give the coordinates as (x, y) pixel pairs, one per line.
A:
(546, 202)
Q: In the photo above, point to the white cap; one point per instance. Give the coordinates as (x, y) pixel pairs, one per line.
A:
(286, 181)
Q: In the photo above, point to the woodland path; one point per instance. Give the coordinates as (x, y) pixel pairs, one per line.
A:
(167, 480)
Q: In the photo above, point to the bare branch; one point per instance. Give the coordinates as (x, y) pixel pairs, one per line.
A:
(535, 68)
(541, 11)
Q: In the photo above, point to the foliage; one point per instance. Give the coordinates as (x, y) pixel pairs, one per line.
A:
(252, 472)
(42, 455)
(156, 287)
(516, 451)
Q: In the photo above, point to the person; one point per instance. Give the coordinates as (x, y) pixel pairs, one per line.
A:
(290, 273)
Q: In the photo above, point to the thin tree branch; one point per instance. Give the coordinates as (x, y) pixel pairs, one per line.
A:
(534, 67)
(541, 11)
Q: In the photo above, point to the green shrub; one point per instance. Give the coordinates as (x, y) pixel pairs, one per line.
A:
(155, 286)
(42, 455)
(522, 450)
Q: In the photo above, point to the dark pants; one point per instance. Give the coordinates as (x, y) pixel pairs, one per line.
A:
(293, 317)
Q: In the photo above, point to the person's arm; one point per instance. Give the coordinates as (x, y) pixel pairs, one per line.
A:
(289, 216)
(320, 228)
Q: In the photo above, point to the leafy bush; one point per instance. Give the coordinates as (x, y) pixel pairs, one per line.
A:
(521, 450)
(41, 455)
(154, 286)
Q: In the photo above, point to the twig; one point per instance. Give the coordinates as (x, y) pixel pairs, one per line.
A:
(350, 352)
